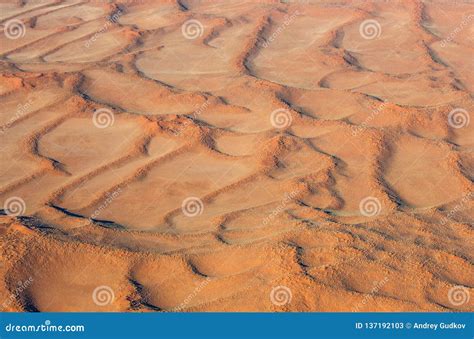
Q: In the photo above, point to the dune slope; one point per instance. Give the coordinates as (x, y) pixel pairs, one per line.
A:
(236, 156)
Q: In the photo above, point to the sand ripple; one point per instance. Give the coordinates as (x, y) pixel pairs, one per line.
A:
(236, 156)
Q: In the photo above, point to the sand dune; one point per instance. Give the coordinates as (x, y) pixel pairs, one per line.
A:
(236, 156)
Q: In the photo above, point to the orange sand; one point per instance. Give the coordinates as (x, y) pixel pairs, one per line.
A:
(316, 158)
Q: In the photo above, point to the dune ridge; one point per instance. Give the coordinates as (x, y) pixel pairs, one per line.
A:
(236, 156)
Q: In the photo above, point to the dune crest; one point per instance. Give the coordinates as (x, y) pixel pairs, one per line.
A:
(236, 156)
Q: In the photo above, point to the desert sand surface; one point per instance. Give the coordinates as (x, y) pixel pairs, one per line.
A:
(236, 156)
